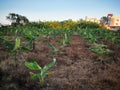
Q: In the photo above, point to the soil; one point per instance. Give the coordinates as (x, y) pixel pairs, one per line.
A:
(77, 67)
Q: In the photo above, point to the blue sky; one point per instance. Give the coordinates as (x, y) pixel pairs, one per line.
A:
(36, 10)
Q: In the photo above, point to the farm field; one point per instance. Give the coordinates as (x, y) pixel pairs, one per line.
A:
(86, 58)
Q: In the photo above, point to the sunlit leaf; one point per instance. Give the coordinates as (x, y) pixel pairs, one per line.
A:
(17, 43)
(46, 67)
(32, 65)
(53, 47)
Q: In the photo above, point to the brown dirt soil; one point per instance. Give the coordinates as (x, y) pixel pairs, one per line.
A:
(77, 68)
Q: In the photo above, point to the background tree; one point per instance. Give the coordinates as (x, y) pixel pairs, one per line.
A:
(0, 24)
(103, 20)
(17, 19)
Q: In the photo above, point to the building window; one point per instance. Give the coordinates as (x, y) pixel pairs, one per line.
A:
(116, 23)
(117, 20)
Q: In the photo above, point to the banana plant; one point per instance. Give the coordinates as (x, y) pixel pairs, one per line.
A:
(66, 40)
(43, 72)
(8, 45)
(102, 50)
(18, 48)
(17, 43)
(54, 49)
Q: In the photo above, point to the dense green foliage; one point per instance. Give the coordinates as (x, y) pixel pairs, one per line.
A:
(87, 25)
(34, 31)
(99, 35)
(67, 24)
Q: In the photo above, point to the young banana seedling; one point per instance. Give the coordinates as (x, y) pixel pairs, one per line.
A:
(66, 40)
(102, 50)
(54, 49)
(18, 48)
(43, 72)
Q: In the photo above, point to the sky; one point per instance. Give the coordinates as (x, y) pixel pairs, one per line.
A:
(58, 10)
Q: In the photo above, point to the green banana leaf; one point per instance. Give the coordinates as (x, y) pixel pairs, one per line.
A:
(46, 67)
(17, 43)
(32, 65)
(35, 76)
(53, 47)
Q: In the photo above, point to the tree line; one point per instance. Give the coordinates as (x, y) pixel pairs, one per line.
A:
(17, 19)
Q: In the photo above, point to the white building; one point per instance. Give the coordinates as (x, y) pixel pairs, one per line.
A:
(113, 22)
(92, 20)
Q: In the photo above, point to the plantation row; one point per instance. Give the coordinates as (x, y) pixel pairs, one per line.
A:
(26, 36)
(32, 33)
